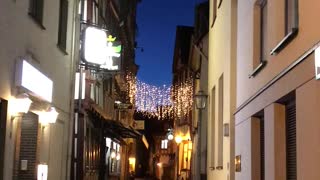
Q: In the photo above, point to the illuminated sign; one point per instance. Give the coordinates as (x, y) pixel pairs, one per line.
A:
(31, 79)
(99, 48)
(317, 62)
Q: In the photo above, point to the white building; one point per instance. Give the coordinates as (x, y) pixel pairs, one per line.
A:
(38, 34)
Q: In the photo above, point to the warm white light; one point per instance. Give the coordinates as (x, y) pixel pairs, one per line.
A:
(35, 81)
(132, 161)
(48, 117)
(117, 102)
(42, 172)
(113, 154)
(178, 139)
(118, 156)
(19, 105)
(108, 142)
(77, 86)
(159, 164)
(95, 45)
(170, 137)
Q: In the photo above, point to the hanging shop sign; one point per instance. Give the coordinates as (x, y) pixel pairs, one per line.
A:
(101, 49)
(317, 62)
(34, 81)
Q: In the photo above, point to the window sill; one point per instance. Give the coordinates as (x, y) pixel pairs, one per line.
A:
(37, 22)
(258, 69)
(62, 50)
(283, 43)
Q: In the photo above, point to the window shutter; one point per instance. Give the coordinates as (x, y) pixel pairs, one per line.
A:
(291, 141)
(63, 23)
(262, 147)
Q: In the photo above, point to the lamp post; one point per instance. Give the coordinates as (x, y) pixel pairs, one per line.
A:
(201, 102)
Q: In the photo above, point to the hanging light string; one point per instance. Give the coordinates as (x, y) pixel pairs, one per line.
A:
(162, 102)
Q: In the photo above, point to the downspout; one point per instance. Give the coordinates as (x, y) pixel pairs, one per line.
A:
(73, 65)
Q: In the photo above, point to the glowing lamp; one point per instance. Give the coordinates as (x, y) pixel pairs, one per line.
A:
(170, 137)
(49, 116)
(118, 156)
(20, 105)
(42, 172)
(178, 139)
(113, 155)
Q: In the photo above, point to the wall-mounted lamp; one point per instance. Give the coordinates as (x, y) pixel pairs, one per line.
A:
(50, 116)
(42, 172)
(238, 163)
(170, 134)
(19, 104)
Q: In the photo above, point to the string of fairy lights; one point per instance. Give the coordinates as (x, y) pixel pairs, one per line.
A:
(162, 102)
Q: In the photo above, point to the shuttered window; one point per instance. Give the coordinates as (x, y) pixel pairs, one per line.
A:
(291, 141)
(262, 148)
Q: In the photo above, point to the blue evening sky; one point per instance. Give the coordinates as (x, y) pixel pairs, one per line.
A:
(157, 21)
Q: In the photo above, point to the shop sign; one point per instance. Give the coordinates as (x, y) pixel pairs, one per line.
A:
(101, 49)
(34, 81)
(317, 62)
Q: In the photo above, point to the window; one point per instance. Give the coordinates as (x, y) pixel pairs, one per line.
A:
(214, 11)
(291, 25)
(36, 11)
(220, 124)
(63, 25)
(260, 43)
(213, 121)
(291, 142)
(164, 144)
(263, 30)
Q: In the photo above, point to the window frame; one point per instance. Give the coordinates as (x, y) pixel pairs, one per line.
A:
(36, 12)
(63, 25)
(289, 34)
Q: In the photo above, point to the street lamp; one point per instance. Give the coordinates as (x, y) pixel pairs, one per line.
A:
(201, 102)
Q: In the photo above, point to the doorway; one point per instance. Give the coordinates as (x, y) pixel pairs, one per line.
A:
(3, 123)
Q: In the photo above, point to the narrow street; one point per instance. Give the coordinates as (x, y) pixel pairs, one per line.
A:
(159, 90)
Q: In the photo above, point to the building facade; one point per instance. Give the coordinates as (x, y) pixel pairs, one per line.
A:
(221, 89)
(277, 104)
(36, 66)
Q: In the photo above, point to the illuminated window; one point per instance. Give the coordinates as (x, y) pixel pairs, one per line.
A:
(164, 144)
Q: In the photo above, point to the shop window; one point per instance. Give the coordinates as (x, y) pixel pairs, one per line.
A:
(63, 25)
(187, 149)
(36, 11)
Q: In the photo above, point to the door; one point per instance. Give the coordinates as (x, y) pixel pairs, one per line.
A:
(3, 122)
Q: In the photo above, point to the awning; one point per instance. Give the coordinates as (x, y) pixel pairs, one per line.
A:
(113, 128)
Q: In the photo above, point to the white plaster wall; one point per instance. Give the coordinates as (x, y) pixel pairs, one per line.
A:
(20, 35)
(222, 61)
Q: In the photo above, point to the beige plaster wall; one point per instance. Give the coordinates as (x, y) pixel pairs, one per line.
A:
(21, 36)
(222, 61)
(308, 35)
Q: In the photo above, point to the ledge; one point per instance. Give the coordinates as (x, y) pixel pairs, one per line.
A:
(37, 22)
(258, 69)
(283, 43)
(62, 50)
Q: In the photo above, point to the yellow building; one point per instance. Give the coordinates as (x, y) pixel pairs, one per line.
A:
(277, 116)
(221, 88)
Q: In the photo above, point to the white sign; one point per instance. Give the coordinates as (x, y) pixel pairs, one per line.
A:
(99, 49)
(317, 62)
(30, 78)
